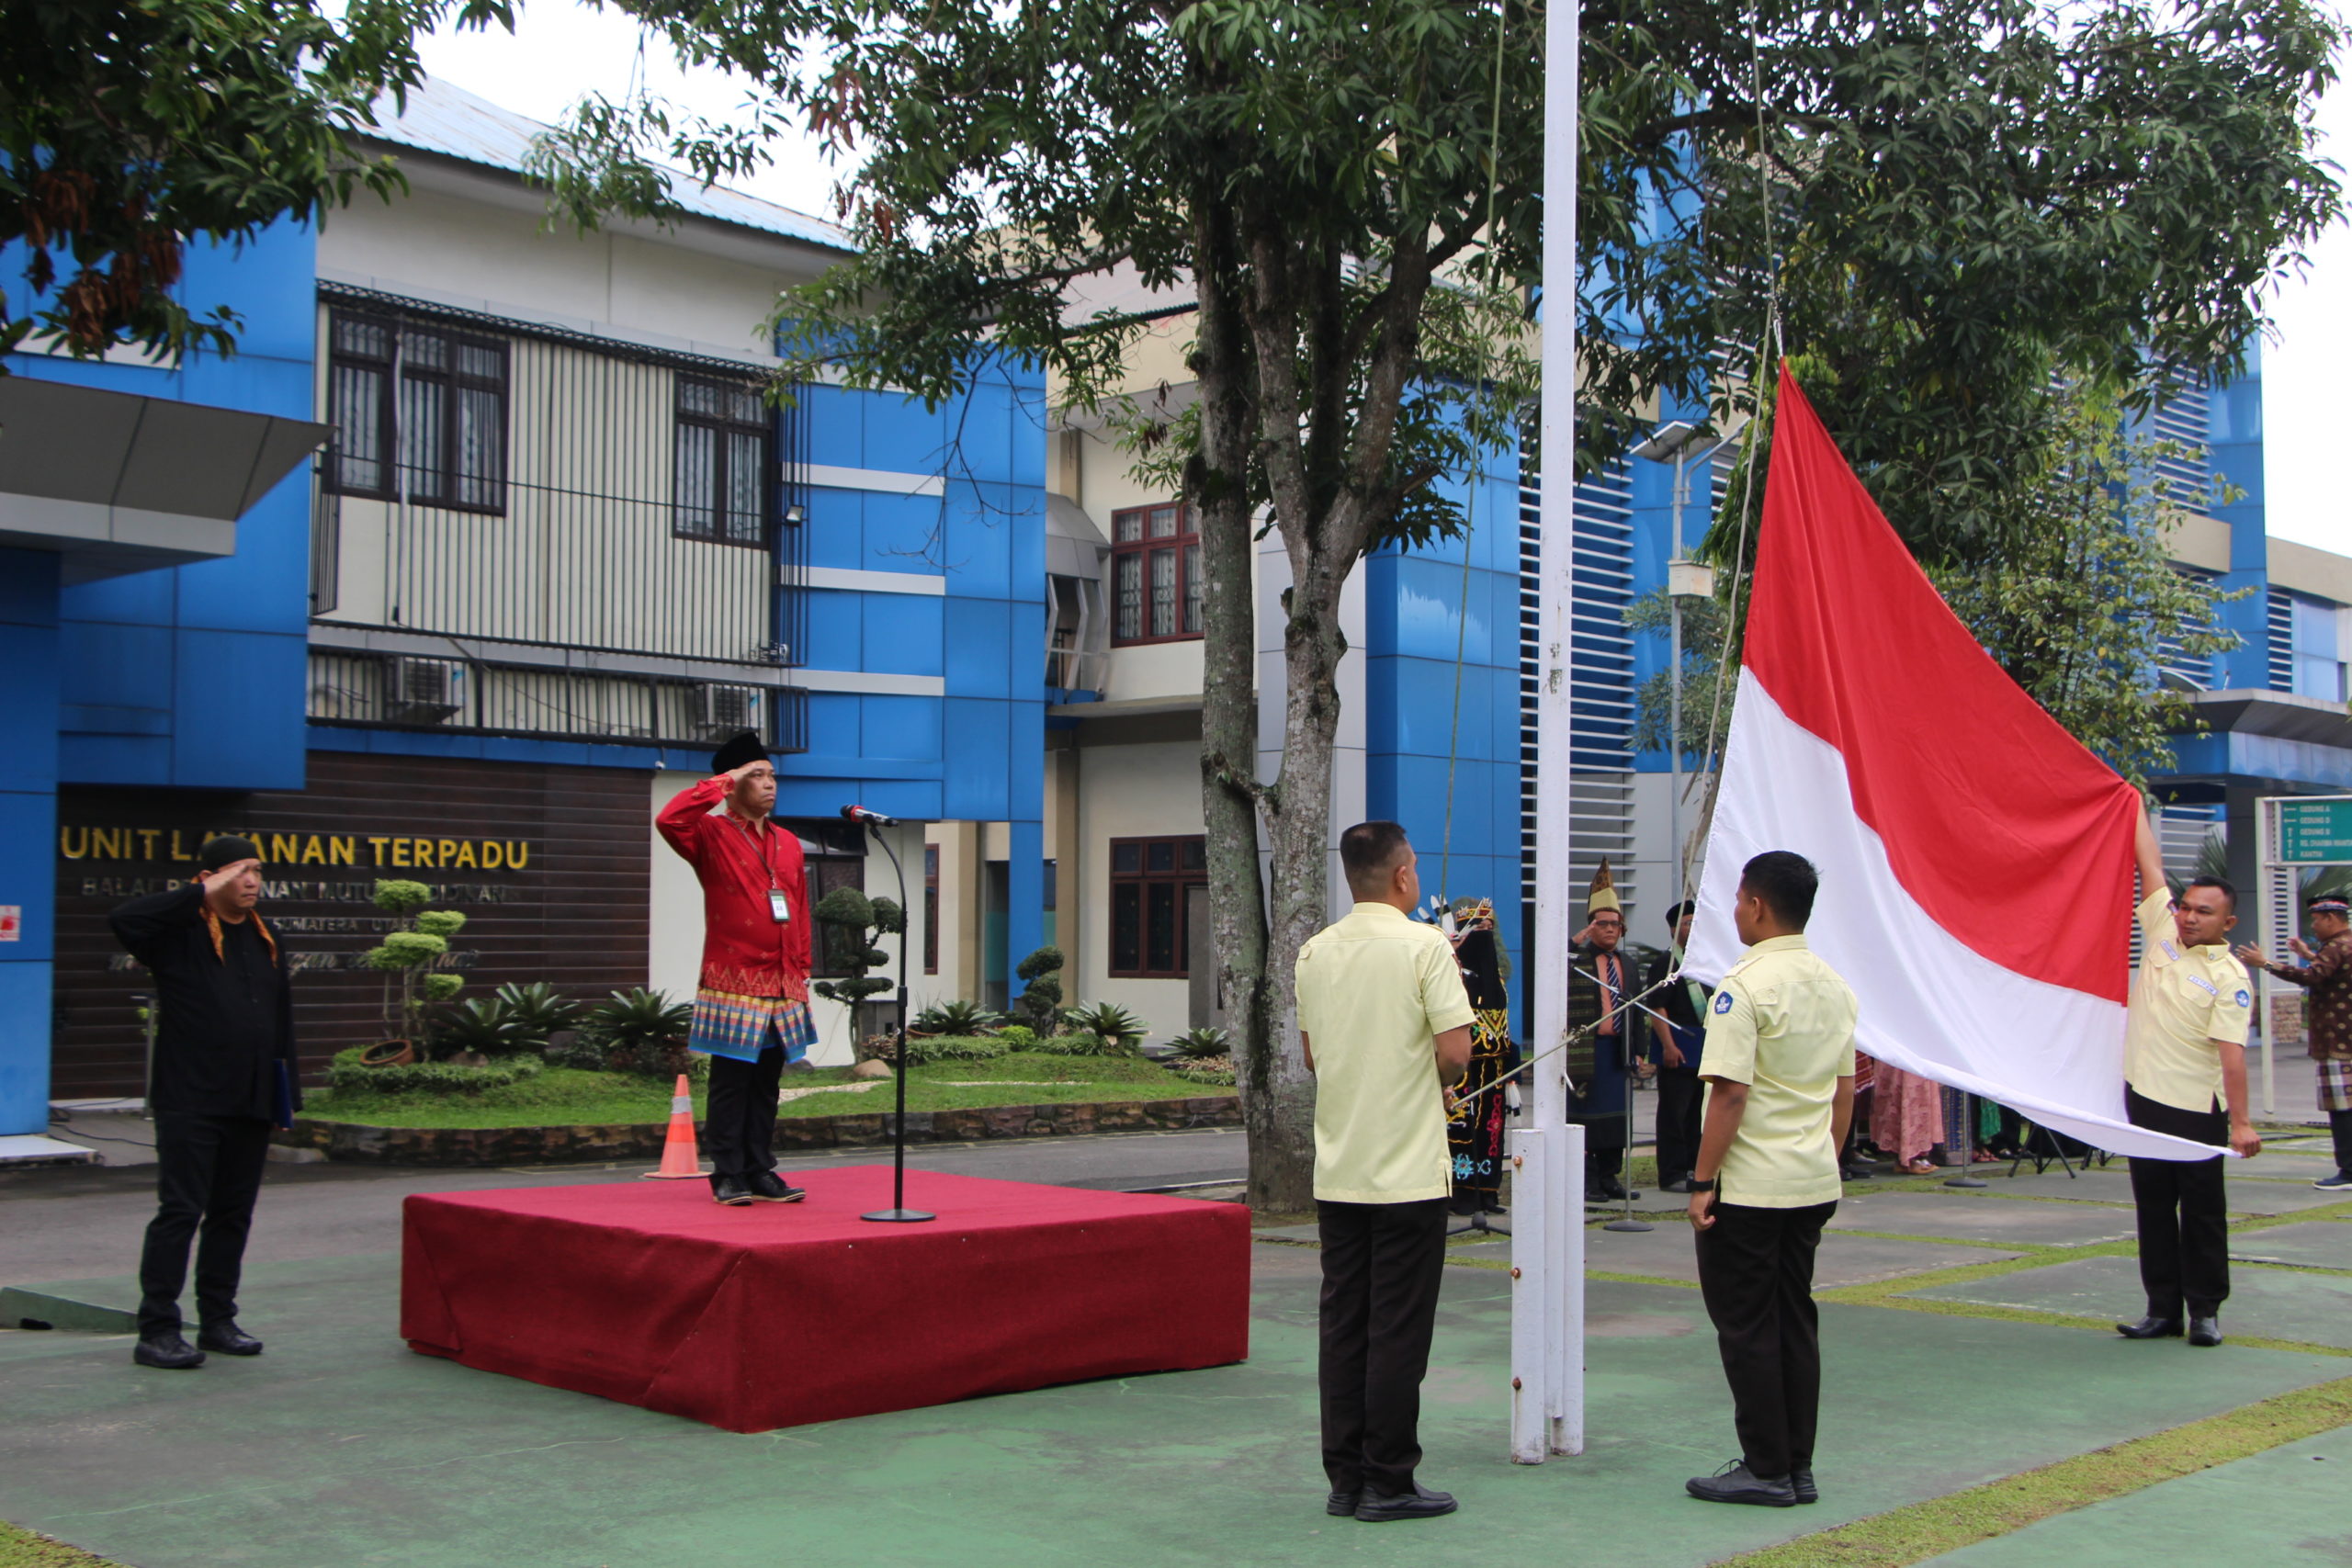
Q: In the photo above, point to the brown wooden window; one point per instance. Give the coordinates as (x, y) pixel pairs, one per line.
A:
(1155, 574)
(1148, 933)
(834, 854)
(930, 908)
(420, 410)
(723, 441)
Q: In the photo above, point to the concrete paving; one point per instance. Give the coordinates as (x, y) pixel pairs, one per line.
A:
(2311, 1244)
(2285, 1508)
(1964, 1217)
(69, 1222)
(2247, 1194)
(341, 1447)
(2276, 1303)
(1668, 1253)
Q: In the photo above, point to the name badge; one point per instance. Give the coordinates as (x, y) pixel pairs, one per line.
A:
(779, 907)
(2205, 985)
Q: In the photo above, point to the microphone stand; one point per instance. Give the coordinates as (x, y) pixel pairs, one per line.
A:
(897, 1213)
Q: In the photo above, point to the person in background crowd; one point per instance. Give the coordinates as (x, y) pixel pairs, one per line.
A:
(1385, 1025)
(1678, 1029)
(2184, 1055)
(2326, 973)
(1601, 1063)
(752, 1007)
(1779, 1080)
(224, 1073)
(1474, 1124)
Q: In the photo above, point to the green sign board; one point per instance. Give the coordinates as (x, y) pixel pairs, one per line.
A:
(2315, 832)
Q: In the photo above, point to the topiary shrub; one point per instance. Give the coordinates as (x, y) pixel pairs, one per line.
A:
(1040, 1003)
(418, 941)
(1018, 1037)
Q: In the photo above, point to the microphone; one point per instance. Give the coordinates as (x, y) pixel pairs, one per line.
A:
(859, 814)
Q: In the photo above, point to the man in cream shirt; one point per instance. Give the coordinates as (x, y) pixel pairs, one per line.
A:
(2183, 1054)
(1780, 1077)
(1385, 1022)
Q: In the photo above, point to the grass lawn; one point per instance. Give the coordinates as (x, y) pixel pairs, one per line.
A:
(24, 1549)
(568, 1097)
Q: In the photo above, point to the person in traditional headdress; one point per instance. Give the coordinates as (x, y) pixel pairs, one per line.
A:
(1473, 1127)
(1600, 1059)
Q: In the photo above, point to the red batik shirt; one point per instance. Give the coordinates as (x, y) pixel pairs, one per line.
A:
(743, 949)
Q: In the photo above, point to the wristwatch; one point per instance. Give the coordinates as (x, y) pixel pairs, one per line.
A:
(1699, 1186)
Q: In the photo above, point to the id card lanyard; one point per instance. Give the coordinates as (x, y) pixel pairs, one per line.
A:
(779, 902)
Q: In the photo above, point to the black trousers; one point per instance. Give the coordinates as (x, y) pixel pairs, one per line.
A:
(1679, 1095)
(2339, 1122)
(739, 1118)
(2183, 1212)
(207, 1173)
(1381, 1263)
(1756, 1275)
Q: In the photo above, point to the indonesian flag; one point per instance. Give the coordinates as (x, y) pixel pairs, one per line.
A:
(1976, 864)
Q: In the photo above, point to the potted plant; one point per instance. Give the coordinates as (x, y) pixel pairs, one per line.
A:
(418, 940)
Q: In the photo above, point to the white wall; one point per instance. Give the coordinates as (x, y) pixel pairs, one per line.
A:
(466, 237)
(1128, 791)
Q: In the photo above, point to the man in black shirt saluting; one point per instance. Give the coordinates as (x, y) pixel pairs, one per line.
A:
(223, 1076)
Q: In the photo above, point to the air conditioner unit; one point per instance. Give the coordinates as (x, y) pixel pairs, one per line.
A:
(427, 690)
(726, 709)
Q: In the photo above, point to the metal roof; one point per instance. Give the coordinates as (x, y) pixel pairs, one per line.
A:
(449, 120)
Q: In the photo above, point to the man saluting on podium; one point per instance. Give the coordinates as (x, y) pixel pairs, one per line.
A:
(751, 1002)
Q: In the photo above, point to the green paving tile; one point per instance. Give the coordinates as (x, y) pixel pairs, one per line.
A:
(2312, 1244)
(1977, 1217)
(2290, 1507)
(341, 1448)
(2276, 1303)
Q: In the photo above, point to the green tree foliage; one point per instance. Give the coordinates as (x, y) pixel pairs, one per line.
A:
(1349, 194)
(130, 127)
(853, 926)
(1040, 1002)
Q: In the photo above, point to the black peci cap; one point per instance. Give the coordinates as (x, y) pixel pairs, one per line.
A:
(743, 747)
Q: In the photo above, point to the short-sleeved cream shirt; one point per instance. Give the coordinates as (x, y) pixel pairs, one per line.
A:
(1782, 1023)
(1374, 992)
(2183, 999)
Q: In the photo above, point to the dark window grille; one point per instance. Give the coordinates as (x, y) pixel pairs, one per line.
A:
(590, 550)
(1155, 574)
(724, 443)
(442, 440)
(1149, 876)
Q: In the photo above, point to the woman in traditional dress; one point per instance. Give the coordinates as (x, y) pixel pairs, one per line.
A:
(1907, 1118)
(1473, 1127)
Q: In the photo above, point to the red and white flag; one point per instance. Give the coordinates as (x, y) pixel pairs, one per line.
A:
(1976, 865)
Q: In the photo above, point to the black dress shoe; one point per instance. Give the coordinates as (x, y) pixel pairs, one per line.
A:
(1801, 1483)
(2151, 1328)
(1421, 1502)
(1341, 1505)
(2204, 1331)
(167, 1350)
(770, 1187)
(1735, 1482)
(1610, 1187)
(227, 1338)
(727, 1190)
(1680, 1184)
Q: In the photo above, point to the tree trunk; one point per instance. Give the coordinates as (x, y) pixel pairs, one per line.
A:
(1277, 1103)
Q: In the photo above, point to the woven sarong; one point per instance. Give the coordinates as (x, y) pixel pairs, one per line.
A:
(741, 1027)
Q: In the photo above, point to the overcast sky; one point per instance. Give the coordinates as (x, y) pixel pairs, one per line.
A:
(561, 49)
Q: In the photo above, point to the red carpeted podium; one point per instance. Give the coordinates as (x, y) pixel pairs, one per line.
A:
(782, 1313)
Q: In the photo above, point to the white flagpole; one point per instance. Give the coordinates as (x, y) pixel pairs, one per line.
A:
(1547, 1156)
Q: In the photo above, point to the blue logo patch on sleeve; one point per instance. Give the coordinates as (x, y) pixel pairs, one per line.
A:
(2243, 1000)
(1723, 1001)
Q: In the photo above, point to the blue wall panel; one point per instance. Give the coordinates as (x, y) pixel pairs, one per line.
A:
(29, 709)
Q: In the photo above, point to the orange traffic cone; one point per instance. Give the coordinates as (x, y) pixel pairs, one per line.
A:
(679, 1161)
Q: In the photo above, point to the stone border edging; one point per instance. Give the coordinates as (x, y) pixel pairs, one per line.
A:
(358, 1143)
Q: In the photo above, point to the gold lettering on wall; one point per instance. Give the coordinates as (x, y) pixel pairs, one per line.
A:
(77, 842)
